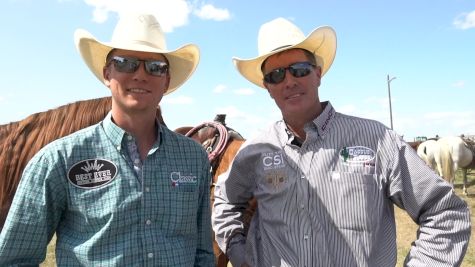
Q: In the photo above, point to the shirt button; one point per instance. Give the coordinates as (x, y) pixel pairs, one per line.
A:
(137, 161)
(305, 237)
(129, 137)
(302, 206)
(148, 222)
(302, 177)
(147, 189)
(150, 255)
(118, 148)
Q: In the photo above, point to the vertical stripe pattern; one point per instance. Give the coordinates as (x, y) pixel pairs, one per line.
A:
(331, 201)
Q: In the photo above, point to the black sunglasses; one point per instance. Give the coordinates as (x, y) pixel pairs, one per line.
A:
(299, 69)
(131, 64)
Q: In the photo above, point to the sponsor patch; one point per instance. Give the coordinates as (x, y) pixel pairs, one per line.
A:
(275, 179)
(272, 160)
(92, 173)
(359, 155)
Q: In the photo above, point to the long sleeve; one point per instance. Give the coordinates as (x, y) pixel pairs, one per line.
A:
(33, 216)
(442, 216)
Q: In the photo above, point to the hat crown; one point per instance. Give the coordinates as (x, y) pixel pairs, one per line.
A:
(139, 30)
(277, 34)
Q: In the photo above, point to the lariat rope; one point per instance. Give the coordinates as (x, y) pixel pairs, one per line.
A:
(223, 137)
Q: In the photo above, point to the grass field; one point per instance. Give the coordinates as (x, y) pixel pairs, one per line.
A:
(406, 229)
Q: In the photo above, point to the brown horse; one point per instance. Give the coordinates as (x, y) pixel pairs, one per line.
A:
(19, 141)
(209, 134)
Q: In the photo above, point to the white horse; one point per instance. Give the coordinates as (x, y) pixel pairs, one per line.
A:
(453, 153)
(426, 151)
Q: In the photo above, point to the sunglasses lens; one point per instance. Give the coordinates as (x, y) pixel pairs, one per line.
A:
(156, 67)
(275, 76)
(127, 65)
(300, 69)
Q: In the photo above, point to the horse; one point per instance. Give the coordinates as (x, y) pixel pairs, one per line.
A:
(426, 151)
(19, 141)
(222, 144)
(453, 153)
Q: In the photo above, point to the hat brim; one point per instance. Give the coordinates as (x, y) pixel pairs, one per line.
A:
(321, 42)
(182, 61)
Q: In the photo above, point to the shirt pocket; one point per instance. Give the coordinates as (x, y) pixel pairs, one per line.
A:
(180, 209)
(95, 207)
(356, 196)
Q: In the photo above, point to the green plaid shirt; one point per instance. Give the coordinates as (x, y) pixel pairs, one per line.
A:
(83, 187)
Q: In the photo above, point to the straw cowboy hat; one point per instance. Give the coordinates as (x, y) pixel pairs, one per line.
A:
(138, 33)
(279, 35)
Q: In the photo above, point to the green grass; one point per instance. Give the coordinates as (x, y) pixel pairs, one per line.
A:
(406, 229)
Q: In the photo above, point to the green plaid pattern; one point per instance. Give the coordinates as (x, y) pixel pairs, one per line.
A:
(151, 220)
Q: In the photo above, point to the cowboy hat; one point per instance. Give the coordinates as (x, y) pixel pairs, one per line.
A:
(279, 35)
(138, 33)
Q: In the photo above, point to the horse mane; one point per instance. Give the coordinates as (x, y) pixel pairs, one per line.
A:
(20, 141)
(5, 130)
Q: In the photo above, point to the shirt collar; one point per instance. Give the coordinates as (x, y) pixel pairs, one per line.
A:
(318, 126)
(117, 135)
(323, 121)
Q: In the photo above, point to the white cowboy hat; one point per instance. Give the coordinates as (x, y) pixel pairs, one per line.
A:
(279, 35)
(138, 33)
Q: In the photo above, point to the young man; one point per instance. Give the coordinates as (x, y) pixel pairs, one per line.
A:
(127, 191)
(326, 183)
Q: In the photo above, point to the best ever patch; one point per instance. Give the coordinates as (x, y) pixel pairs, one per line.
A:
(92, 173)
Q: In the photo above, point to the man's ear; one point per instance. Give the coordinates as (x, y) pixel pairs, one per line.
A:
(318, 70)
(167, 83)
(106, 75)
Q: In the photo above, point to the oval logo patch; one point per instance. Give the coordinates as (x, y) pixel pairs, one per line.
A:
(92, 173)
(356, 154)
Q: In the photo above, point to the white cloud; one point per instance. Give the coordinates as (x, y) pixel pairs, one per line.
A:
(178, 100)
(219, 88)
(212, 13)
(459, 84)
(465, 21)
(244, 91)
(170, 14)
(2, 98)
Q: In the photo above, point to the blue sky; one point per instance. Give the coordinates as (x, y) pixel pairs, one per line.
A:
(428, 45)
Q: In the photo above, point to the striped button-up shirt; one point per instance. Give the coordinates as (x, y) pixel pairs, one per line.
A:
(330, 201)
(85, 189)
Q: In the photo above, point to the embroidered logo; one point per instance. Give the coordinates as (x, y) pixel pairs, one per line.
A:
(276, 179)
(357, 155)
(92, 173)
(273, 160)
(177, 179)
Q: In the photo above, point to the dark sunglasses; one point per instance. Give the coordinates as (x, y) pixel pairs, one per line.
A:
(299, 69)
(131, 64)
